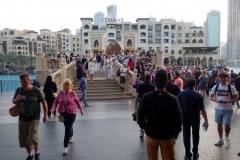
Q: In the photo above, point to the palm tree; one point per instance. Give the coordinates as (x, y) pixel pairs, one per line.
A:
(66, 30)
(10, 59)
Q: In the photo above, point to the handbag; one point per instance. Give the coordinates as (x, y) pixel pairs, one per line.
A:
(54, 94)
(15, 110)
(63, 115)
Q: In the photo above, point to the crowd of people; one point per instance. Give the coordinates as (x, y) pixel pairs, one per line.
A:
(173, 97)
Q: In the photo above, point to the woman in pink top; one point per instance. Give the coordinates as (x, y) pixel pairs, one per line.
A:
(178, 81)
(67, 102)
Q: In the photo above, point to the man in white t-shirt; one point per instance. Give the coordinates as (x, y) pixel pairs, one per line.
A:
(224, 94)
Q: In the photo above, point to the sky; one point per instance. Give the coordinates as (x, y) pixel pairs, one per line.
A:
(57, 14)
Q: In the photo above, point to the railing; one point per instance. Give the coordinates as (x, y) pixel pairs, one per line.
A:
(1, 89)
(9, 85)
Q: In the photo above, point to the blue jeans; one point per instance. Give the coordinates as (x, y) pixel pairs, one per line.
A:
(83, 90)
(191, 120)
(68, 123)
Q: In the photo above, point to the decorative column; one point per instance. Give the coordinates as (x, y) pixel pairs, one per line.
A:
(160, 57)
(41, 74)
(39, 57)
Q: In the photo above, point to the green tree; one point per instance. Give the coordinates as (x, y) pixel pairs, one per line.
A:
(52, 51)
(10, 59)
(67, 30)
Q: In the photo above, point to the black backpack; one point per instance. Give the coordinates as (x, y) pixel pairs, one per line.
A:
(118, 73)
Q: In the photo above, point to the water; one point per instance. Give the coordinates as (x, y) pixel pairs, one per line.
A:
(236, 69)
(11, 82)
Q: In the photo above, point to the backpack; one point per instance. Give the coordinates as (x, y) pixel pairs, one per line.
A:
(204, 80)
(229, 90)
(118, 73)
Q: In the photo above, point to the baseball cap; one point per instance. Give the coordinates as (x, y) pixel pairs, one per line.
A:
(223, 74)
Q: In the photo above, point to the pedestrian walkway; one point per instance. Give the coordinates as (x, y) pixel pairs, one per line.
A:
(107, 132)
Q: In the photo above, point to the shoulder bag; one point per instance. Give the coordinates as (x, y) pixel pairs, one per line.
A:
(15, 110)
(63, 114)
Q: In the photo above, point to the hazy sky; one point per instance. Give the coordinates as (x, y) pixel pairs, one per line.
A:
(55, 14)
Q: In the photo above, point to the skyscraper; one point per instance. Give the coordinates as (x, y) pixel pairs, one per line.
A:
(212, 28)
(112, 11)
(233, 37)
(99, 17)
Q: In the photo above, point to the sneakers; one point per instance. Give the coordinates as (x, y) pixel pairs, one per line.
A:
(195, 156)
(30, 158)
(228, 143)
(219, 142)
(65, 151)
(37, 156)
(71, 140)
(86, 105)
(141, 133)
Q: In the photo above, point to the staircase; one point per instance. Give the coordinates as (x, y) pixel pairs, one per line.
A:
(102, 89)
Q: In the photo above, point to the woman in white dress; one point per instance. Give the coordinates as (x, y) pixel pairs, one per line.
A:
(107, 65)
(91, 69)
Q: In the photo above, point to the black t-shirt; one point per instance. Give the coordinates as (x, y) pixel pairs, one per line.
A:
(160, 115)
(145, 88)
(237, 83)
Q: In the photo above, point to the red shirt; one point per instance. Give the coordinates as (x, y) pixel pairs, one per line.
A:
(131, 65)
(178, 81)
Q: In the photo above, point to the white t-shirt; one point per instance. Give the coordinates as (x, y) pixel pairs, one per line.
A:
(223, 94)
(123, 70)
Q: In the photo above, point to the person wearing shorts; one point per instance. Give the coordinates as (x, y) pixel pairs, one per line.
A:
(224, 94)
(28, 99)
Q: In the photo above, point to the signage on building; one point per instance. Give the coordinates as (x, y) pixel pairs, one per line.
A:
(114, 19)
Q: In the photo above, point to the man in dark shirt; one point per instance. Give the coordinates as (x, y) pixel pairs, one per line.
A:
(141, 90)
(197, 75)
(160, 117)
(191, 104)
(99, 60)
(172, 88)
(237, 86)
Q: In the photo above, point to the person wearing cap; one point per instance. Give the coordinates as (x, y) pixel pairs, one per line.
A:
(29, 98)
(224, 95)
(192, 106)
(83, 89)
(123, 74)
(160, 117)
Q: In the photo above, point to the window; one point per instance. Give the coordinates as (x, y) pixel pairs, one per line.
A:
(5, 33)
(179, 41)
(77, 49)
(73, 39)
(118, 34)
(179, 35)
(166, 34)
(86, 51)
(85, 34)
(134, 27)
(126, 27)
(158, 27)
(186, 41)
(86, 27)
(142, 34)
(173, 27)
(129, 43)
(172, 41)
(166, 40)
(118, 27)
(194, 41)
(150, 28)
(172, 35)
(86, 41)
(143, 41)
(77, 39)
(166, 27)
(180, 52)
(179, 28)
(200, 41)
(95, 27)
(158, 34)
(166, 50)
(73, 45)
(103, 27)
(158, 41)
(150, 41)
(39, 45)
(186, 34)
(11, 32)
(143, 27)
(172, 52)
(78, 44)
(110, 34)
(150, 35)
(73, 49)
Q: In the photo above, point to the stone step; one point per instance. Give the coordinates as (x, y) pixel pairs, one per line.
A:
(106, 94)
(97, 98)
(105, 91)
(98, 84)
(99, 88)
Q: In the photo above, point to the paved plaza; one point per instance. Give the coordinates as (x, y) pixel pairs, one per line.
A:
(106, 132)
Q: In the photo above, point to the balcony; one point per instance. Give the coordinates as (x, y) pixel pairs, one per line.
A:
(150, 42)
(118, 38)
(158, 42)
(201, 53)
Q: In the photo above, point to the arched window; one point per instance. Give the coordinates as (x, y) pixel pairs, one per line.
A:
(143, 27)
(19, 52)
(23, 53)
(200, 34)
(96, 43)
(47, 37)
(129, 43)
(67, 40)
(200, 41)
(85, 34)
(143, 34)
(194, 41)
(110, 34)
(19, 47)
(86, 26)
(180, 52)
(194, 34)
(166, 27)
(172, 52)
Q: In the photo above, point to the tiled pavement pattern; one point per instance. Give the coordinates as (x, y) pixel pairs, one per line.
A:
(106, 132)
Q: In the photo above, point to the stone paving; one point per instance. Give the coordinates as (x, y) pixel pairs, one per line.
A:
(106, 132)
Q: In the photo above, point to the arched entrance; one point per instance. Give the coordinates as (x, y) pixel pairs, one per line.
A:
(180, 61)
(210, 61)
(204, 61)
(166, 61)
(113, 48)
(197, 61)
